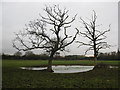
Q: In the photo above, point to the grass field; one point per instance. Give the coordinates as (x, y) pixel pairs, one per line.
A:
(14, 77)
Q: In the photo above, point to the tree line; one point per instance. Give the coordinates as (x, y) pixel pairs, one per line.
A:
(29, 55)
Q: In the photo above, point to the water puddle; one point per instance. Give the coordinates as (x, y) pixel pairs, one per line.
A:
(113, 66)
(63, 68)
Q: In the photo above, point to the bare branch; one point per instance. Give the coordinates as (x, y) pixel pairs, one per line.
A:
(82, 43)
(102, 33)
(85, 35)
(71, 20)
(38, 36)
(95, 36)
(71, 40)
(89, 49)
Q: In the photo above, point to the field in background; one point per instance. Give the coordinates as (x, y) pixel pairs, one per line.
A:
(14, 77)
(17, 63)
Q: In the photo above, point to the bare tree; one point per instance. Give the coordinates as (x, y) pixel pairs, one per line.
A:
(49, 33)
(96, 37)
(18, 53)
(29, 53)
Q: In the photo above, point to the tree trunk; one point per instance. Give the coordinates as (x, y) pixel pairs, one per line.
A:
(95, 60)
(49, 67)
(95, 53)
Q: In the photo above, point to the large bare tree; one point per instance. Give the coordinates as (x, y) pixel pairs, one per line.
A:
(96, 37)
(49, 33)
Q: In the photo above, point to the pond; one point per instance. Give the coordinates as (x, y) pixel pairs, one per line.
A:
(63, 68)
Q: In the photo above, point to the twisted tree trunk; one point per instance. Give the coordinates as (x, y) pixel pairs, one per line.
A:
(95, 60)
(49, 67)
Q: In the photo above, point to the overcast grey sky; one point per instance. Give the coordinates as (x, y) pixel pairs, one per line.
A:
(16, 14)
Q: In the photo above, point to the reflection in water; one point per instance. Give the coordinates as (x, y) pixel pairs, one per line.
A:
(63, 68)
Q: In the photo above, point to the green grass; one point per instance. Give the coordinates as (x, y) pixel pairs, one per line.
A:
(14, 77)
(18, 63)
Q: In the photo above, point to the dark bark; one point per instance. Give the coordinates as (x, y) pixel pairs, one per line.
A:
(95, 52)
(49, 67)
(95, 60)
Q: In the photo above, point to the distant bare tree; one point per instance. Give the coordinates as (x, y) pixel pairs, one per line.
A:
(29, 53)
(96, 37)
(18, 53)
(49, 33)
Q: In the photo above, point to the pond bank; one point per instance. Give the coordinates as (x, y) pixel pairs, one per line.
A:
(63, 68)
